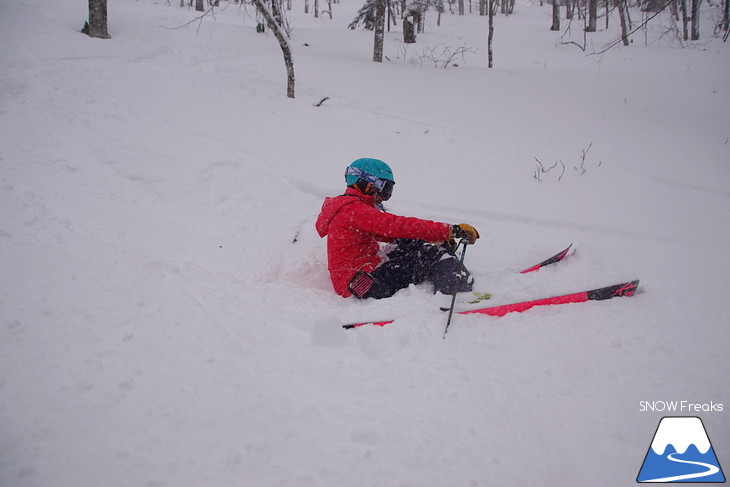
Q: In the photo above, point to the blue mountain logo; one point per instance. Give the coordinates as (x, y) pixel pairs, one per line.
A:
(681, 452)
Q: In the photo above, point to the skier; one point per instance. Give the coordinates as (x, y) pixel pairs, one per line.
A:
(415, 250)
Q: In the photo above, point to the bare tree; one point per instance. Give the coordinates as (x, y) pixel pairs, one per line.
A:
(675, 9)
(685, 20)
(97, 20)
(490, 37)
(276, 12)
(592, 15)
(440, 10)
(556, 15)
(622, 7)
(696, 19)
(626, 23)
(410, 20)
(379, 31)
(329, 9)
(286, 51)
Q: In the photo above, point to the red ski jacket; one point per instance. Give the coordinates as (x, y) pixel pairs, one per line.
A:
(354, 227)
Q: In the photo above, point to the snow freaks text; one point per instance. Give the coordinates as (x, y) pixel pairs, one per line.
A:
(680, 407)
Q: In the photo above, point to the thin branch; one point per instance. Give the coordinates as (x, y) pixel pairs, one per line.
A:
(584, 153)
(542, 170)
(198, 19)
(585, 37)
(620, 39)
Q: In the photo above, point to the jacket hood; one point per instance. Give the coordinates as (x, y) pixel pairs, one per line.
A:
(333, 205)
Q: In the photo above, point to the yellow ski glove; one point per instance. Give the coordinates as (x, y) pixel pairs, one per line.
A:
(464, 230)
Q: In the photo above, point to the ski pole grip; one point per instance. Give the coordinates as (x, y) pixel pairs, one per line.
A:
(464, 230)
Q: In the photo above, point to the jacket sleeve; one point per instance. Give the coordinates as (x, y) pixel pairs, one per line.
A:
(367, 219)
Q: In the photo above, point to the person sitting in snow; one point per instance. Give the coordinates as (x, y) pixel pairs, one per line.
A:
(355, 224)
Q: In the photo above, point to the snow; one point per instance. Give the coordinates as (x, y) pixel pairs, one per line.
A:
(166, 316)
(681, 432)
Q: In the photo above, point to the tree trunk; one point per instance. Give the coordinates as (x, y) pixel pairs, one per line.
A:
(388, 17)
(461, 7)
(491, 32)
(685, 20)
(592, 15)
(569, 9)
(556, 15)
(409, 30)
(97, 19)
(316, 9)
(412, 24)
(696, 19)
(379, 31)
(286, 51)
(624, 23)
(608, 11)
(199, 5)
(276, 12)
(726, 17)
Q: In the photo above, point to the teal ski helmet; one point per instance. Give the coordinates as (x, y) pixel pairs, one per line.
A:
(373, 171)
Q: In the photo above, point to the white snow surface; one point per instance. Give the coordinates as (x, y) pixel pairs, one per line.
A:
(681, 432)
(160, 325)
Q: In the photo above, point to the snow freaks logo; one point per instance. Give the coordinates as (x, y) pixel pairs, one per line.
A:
(680, 452)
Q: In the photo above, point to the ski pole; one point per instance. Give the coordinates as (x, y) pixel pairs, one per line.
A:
(464, 242)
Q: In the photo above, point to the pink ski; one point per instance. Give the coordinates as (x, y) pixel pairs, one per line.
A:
(555, 258)
(608, 292)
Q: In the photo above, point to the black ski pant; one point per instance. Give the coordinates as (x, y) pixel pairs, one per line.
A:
(417, 261)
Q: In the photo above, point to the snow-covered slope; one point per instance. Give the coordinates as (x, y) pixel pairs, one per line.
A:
(680, 433)
(166, 316)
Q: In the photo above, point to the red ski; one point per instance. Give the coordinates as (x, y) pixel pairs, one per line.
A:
(624, 289)
(555, 258)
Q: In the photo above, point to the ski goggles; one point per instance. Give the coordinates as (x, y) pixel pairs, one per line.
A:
(384, 186)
